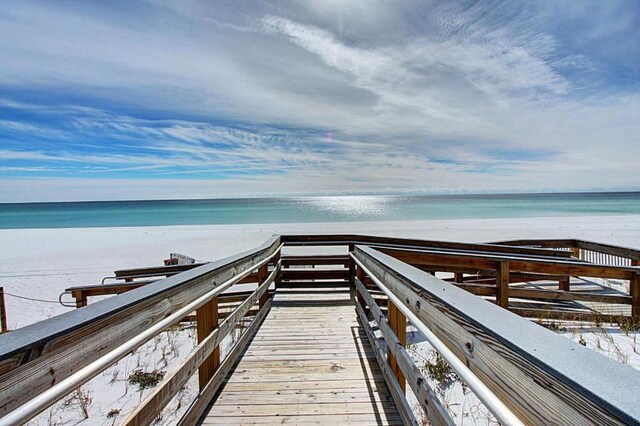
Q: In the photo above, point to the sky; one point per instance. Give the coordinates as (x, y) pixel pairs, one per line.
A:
(202, 99)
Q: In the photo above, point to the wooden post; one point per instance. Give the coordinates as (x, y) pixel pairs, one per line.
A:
(3, 313)
(361, 276)
(398, 323)
(634, 290)
(502, 282)
(459, 277)
(81, 299)
(263, 273)
(575, 252)
(635, 262)
(352, 269)
(565, 283)
(207, 319)
(276, 258)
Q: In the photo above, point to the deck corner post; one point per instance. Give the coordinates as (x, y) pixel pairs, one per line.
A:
(81, 298)
(565, 283)
(502, 283)
(634, 290)
(207, 321)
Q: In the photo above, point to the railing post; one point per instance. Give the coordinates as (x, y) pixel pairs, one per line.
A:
(502, 284)
(81, 299)
(458, 277)
(398, 323)
(565, 283)
(3, 313)
(634, 290)
(207, 321)
(361, 276)
(575, 252)
(352, 269)
(263, 273)
(276, 259)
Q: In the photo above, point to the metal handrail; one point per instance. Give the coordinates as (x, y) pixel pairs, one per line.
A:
(504, 415)
(36, 405)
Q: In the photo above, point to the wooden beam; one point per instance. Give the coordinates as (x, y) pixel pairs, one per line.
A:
(502, 285)
(634, 289)
(564, 284)
(542, 294)
(315, 274)
(346, 239)
(207, 321)
(3, 313)
(472, 261)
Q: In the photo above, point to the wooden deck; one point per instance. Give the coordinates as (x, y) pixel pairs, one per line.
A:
(309, 363)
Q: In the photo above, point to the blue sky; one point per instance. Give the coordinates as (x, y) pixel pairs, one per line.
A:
(193, 99)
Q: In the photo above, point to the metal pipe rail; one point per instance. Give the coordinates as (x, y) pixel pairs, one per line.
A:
(36, 357)
(36, 405)
(484, 394)
(539, 376)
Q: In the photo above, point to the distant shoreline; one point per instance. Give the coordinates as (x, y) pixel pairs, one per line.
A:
(314, 209)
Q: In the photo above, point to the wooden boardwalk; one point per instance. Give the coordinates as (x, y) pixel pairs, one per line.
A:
(309, 363)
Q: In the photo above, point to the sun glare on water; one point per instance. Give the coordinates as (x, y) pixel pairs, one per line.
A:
(354, 206)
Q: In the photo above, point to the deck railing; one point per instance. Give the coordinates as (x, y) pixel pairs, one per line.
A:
(590, 251)
(528, 373)
(518, 369)
(42, 363)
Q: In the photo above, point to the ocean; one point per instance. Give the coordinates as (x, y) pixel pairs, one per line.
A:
(313, 209)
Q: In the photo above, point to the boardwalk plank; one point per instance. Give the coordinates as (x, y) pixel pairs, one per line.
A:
(308, 364)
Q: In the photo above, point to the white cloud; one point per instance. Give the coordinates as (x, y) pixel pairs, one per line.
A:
(437, 89)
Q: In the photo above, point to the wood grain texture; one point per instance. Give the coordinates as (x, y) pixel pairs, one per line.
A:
(310, 361)
(426, 397)
(493, 342)
(207, 321)
(198, 407)
(36, 357)
(153, 404)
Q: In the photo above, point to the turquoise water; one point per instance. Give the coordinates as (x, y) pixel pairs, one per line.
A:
(313, 209)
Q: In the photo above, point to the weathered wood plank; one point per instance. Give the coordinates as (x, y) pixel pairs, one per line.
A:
(153, 404)
(475, 261)
(203, 399)
(502, 285)
(519, 361)
(207, 321)
(346, 239)
(426, 397)
(332, 419)
(34, 358)
(405, 411)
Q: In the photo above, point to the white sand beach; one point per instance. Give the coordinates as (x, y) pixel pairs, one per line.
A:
(41, 263)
